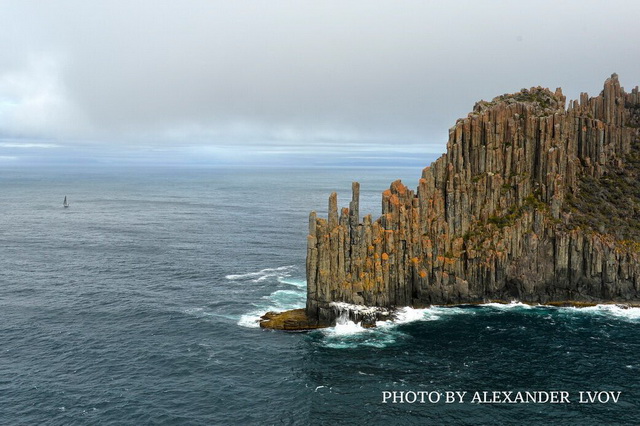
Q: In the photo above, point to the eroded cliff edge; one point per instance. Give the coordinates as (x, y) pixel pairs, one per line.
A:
(532, 202)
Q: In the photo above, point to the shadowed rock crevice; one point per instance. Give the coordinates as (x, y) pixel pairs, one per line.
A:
(532, 201)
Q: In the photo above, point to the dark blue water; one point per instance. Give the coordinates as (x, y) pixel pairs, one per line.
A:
(138, 305)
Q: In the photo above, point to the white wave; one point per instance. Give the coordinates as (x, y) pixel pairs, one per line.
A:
(350, 335)
(347, 334)
(283, 300)
(618, 311)
(293, 282)
(277, 301)
(197, 312)
(261, 275)
(504, 306)
(262, 278)
(406, 315)
(345, 308)
(432, 313)
(250, 320)
(450, 310)
(204, 314)
(347, 328)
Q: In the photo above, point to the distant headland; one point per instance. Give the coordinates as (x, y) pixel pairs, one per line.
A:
(533, 201)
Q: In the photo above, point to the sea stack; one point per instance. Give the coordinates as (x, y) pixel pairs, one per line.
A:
(534, 200)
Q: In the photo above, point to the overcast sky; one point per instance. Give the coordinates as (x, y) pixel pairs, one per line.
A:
(236, 79)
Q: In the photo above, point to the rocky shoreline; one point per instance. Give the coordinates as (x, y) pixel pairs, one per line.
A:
(297, 319)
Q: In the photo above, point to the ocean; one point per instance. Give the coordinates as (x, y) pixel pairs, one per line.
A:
(138, 304)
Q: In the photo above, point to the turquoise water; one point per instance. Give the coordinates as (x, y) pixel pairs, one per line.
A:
(138, 305)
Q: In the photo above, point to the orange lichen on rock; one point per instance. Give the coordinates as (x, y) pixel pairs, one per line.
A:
(398, 187)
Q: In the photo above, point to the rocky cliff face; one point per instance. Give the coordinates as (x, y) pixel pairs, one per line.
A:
(532, 202)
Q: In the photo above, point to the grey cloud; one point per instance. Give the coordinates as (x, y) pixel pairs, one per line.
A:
(289, 72)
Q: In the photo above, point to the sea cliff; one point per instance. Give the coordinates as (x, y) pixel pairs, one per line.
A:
(535, 200)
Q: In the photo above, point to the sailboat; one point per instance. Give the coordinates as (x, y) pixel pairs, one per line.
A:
(65, 203)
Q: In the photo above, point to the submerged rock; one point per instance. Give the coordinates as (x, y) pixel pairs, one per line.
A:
(532, 202)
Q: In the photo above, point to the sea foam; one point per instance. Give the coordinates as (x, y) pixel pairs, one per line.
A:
(616, 311)
(263, 274)
(514, 304)
(283, 299)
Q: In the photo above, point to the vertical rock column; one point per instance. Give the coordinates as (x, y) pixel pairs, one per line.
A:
(485, 222)
(312, 268)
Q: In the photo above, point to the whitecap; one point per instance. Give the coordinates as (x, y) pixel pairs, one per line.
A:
(347, 328)
(450, 310)
(514, 304)
(202, 313)
(196, 312)
(358, 309)
(346, 334)
(281, 271)
(293, 282)
(617, 311)
(406, 315)
(250, 320)
(286, 299)
(278, 301)
(367, 338)
(262, 278)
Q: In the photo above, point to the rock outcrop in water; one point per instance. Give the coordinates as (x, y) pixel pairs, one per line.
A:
(532, 202)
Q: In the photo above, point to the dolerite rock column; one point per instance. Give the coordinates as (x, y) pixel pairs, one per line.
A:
(488, 219)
